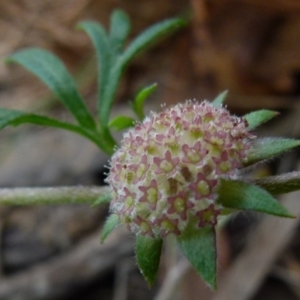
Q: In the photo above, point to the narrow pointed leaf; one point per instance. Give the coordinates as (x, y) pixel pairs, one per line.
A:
(140, 43)
(111, 223)
(119, 29)
(148, 251)
(218, 101)
(259, 117)
(280, 184)
(199, 247)
(267, 148)
(54, 74)
(16, 118)
(149, 36)
(138, 103)
(246, 196)
(104, 199)
(121, 122)
(103, 50)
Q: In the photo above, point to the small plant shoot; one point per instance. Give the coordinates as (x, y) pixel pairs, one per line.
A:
(176, 172)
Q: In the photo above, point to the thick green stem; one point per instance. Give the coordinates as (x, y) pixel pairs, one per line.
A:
(51, 195)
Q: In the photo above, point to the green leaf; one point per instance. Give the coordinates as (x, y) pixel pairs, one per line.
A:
(218, 101)
(148, 251)
(103, 50)
(266, 148)
(280, 184)
(111, 223)
(148, 36)
(140, 43)
(54, 74)
(121, 122)
(103, 199)
(119, 30)
(16, 117)
(259, 117)
(246, 196)
(138, 103)
(199, 247)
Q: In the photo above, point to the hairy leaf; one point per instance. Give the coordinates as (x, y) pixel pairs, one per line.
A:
(256, 118)
(245, 196)
(218, 101)
(199, 247)
(54, 74)
(103, 199)
(280, 184)
(111, 223)
(148, 251)
(266, 148)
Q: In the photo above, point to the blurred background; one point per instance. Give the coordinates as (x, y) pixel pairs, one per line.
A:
(250, 47)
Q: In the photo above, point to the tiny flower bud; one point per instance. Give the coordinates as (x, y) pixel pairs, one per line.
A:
(166, 173)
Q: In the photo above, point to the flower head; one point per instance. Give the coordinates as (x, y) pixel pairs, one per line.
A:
(166, 173)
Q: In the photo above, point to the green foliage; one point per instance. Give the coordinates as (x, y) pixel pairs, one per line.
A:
(115, 65)
(199, 247)
(111, 223)
(148, 251)
(219, 100)
(245, 196)
(121, 123)
(256, 118)
(104, 199)
(54, 74)
(139, 100)
(119, 30)
(267, 148)
(16, 118)
(280, 184)
(112, 58)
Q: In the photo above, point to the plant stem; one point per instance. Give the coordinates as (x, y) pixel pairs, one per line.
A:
(279, 184)
(51, 195)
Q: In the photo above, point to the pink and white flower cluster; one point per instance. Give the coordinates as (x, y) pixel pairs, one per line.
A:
(165, 175)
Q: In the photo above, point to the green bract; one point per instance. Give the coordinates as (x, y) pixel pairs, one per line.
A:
(176, 172)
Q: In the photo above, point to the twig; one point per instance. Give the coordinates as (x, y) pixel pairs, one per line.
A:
(51, 195)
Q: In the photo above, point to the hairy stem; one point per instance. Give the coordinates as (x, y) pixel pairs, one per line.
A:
(51, 195)
(280, 184)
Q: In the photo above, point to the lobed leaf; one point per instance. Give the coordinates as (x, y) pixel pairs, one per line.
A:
(245, 196)
(218, 101)
(119, 30)
(54, 74)
(256, 118)
(148, 252)
(138, 103)
(121, 122)
(199, 247)
(111, 223)
(267, 148)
